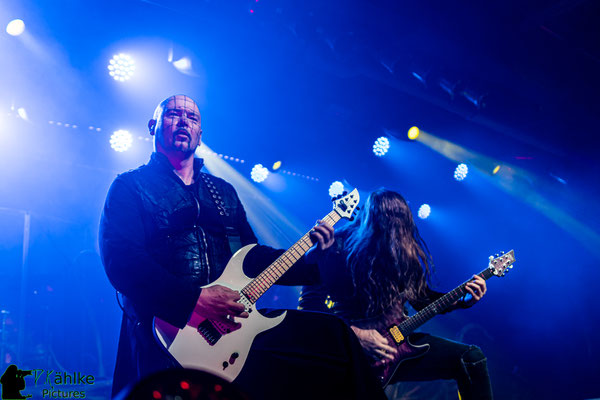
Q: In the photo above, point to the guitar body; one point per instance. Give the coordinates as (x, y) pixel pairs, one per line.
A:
(406, 350)
(397, 329)
(208, 346)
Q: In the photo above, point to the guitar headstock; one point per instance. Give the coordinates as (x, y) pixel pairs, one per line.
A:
(501, 263)
(346, 204)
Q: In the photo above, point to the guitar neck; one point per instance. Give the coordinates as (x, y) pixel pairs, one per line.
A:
(441, 304)
(259, 285)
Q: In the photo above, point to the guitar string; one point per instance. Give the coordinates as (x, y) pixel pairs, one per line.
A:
(261, 283)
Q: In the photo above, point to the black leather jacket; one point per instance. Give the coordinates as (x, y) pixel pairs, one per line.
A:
(160, 242)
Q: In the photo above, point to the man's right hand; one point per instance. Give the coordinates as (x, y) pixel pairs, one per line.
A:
(219, 303)
(375, 345)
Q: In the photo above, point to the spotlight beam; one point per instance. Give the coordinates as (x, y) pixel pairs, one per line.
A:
(271, 225)
(518, 182)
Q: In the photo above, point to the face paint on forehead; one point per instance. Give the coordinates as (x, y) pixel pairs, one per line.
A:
(177, 101)
(182, 103)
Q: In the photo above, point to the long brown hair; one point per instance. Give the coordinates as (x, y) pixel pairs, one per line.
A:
(388, 259)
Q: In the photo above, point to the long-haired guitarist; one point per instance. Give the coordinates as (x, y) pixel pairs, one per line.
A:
(378, 264)
(168, 229)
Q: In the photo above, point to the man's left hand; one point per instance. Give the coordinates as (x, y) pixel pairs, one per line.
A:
(476, 287)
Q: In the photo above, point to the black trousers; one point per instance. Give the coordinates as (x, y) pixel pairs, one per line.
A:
(447, 359)
(308, 356)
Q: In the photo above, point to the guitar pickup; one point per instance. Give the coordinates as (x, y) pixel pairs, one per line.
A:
(396, 334)
(208, 331)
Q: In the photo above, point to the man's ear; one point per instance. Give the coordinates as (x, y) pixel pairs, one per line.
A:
(152, 126)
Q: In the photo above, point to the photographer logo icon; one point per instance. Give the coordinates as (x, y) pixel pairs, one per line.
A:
(13, 381)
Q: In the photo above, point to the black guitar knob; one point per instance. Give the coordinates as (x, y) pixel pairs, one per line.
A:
(225, 364)
(235, 355)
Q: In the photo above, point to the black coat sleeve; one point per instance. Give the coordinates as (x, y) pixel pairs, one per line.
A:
(129, 266)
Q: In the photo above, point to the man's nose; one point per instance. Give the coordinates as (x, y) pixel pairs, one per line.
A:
(182, 121)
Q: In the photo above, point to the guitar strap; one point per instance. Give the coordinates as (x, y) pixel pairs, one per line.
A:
(233, 235)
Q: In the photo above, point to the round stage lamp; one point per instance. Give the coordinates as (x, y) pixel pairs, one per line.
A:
(259, 173)
(182, 384)
(336, 188)
(461, 171)
(424, 211)
(413, 133)
(15, 27)
(381, 146)
(121, 141)
(276, 166)
(121, 67)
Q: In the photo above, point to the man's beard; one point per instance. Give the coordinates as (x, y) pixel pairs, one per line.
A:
(186, 147)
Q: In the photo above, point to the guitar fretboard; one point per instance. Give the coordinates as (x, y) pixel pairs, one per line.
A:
(409, 325)
(259, 285)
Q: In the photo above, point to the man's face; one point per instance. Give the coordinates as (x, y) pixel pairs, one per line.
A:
(178, 127)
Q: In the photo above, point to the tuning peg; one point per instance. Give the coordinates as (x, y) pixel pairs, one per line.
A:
(357, 208)
(490, 258)
(345, 192)
(510, 266)
(502, 252)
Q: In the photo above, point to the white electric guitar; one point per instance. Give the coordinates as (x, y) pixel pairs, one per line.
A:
(208, 345)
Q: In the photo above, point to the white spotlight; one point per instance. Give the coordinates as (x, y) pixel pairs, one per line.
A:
(424, 211)
(184, 65)
(121, 140)
(15, 27)
(461, 172)
(336, 189)
(121, 67)
(22, 113)
(381, 146)
(259, 173)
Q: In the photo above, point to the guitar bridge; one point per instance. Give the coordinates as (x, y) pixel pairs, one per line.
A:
(209, 332)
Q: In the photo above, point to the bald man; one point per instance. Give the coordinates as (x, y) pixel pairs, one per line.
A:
(168, 229)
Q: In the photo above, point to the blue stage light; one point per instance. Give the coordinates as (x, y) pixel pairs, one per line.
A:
(121, 67)
(381, 146)
(259, 173)
(121, 140)
(424, 211)
(336, 189)
(461, 172)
